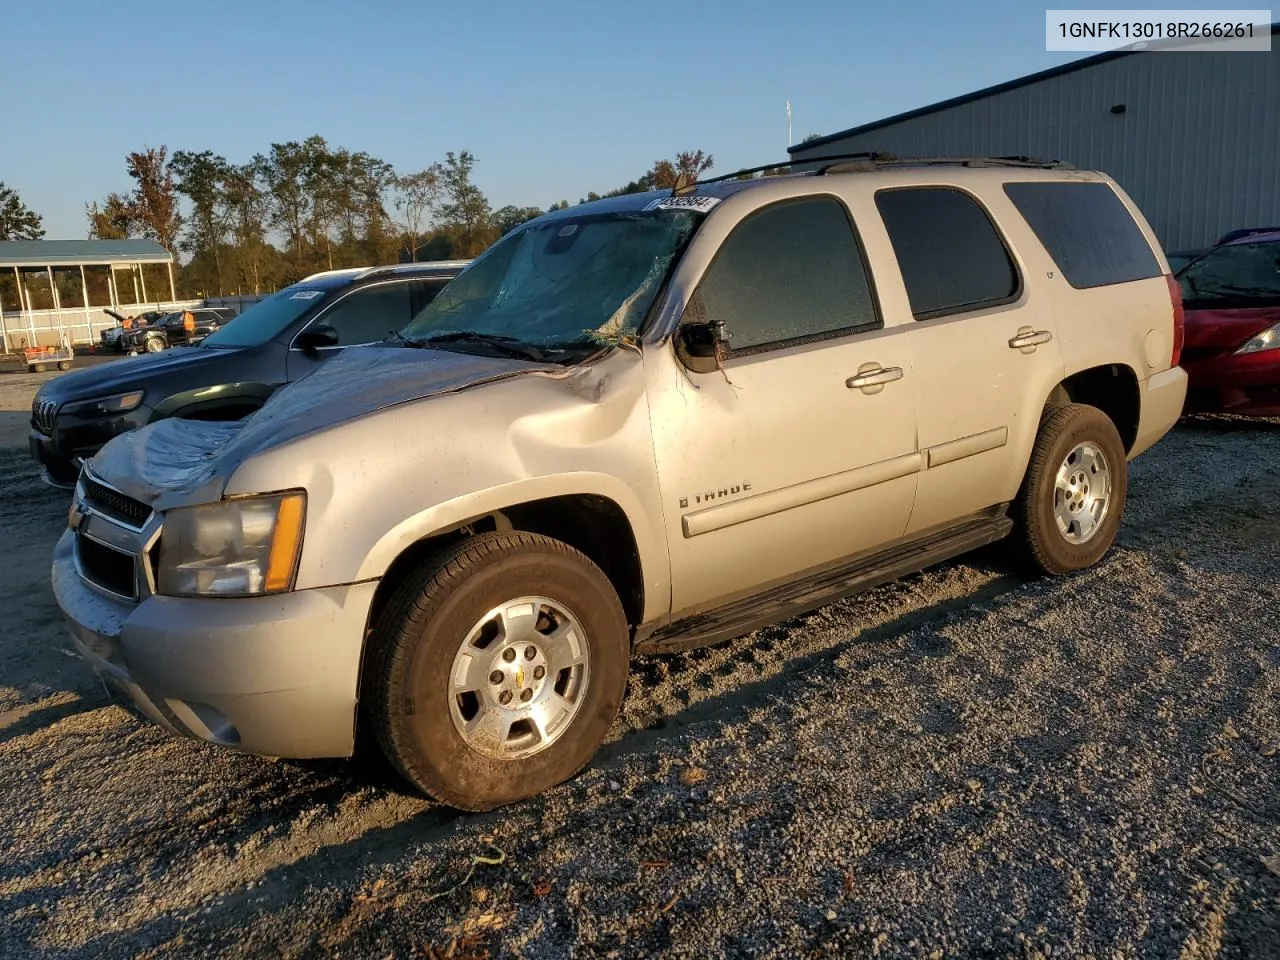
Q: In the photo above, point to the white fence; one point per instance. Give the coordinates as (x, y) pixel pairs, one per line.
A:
(82, 326)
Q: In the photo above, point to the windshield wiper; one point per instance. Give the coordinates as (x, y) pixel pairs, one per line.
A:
(407, 341)
(508, 345)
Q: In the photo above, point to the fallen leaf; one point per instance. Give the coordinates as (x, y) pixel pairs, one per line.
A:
(974, 785)
(1230, 730)
(671, 904)
(1269, 750)
(691, 775)
(1272, 863)
(542, 888)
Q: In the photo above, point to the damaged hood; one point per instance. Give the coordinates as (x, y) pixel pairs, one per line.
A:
(174, 462)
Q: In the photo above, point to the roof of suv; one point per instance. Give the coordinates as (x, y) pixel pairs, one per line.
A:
(851, 164)
(1270, 237)
(428, 267)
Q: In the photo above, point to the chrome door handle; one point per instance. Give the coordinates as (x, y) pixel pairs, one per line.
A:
(874, 378)
(1028, 337)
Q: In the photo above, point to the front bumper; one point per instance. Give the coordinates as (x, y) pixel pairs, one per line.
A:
(75, 439)
(1244, 383)
(57, 470)
(1163, 397)
(276, 676)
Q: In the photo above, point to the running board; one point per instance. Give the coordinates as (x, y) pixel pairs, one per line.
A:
(795, 597)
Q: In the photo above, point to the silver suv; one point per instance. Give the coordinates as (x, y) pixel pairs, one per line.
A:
(636, 425)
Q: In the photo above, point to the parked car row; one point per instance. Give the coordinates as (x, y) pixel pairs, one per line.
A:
(639, 424)
(1232, 351)
(182, 327)
(110, 337)
(236, 366)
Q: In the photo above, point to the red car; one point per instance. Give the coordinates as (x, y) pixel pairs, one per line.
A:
(1231, 296)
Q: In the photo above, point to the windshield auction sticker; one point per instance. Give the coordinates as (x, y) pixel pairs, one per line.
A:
(700, 204)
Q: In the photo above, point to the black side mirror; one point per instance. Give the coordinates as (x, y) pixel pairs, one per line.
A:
(313, 338)
(700, 344)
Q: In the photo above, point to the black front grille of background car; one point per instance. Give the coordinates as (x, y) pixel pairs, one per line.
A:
(43, 414)
(106, 567)
(114, 504)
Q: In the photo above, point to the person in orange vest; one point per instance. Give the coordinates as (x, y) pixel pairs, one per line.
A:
(189, 325)
(127, 322)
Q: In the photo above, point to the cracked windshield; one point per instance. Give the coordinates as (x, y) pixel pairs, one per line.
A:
(572, 282)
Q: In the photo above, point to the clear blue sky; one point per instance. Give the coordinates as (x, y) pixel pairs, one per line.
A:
(554, 97)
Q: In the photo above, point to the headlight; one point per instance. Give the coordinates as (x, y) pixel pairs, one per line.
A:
(1268, 339)
(101, 407)
(234, 548)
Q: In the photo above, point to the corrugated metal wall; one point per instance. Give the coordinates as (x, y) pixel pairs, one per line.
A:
(1198, 147)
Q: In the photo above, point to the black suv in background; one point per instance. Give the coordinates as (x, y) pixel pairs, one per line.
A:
(168, 331)
(232, 371)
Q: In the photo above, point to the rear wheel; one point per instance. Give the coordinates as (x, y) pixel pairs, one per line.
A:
(1072, 498)
(154, 344)
(496, 672)
(64, 364)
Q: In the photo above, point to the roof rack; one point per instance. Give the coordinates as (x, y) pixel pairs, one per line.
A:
(344, 271)
(876, 160)
(415, 267)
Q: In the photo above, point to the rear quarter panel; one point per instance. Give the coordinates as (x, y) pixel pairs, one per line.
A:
(1127, 323)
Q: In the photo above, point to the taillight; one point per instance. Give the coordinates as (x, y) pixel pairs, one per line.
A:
(1179, 319)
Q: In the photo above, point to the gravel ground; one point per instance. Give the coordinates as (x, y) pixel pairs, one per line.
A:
(961, 764)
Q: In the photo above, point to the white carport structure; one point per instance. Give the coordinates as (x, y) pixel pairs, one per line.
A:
(123, 259)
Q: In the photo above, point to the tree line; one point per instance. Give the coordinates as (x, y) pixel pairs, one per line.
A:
(305, 206)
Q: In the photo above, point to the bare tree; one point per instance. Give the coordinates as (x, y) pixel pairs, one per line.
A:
(417, 198)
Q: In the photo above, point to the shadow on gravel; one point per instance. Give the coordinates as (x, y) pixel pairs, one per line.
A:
(283, 886)
(1227, 423)
(22, 721)
(732, 703)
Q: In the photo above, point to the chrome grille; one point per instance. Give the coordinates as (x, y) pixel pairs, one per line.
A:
(43, 414)
(114, 504)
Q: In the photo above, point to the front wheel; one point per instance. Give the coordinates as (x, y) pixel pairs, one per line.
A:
(1072, 498)
(496, 672)
(154, 344)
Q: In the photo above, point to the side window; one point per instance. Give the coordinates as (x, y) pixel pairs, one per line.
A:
(951, 257)
(422, 292)
(1087, 230)
(788, 273)
(369, 315)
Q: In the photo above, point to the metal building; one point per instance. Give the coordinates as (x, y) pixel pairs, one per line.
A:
(1194, 137)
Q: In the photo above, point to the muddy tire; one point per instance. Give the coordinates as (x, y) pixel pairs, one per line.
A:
(496, 671)
(1072, 499)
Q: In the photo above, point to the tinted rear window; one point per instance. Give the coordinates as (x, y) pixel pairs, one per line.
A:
(1087, 230)
(951, 257)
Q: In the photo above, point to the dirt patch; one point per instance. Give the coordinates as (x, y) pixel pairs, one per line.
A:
(963, 763)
